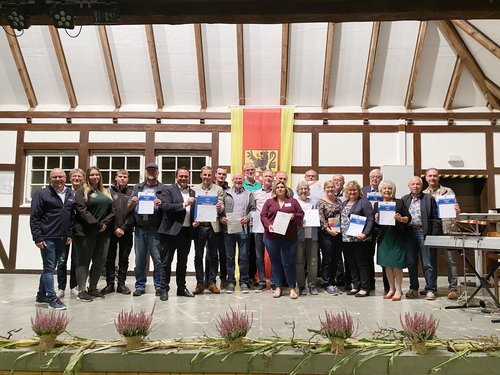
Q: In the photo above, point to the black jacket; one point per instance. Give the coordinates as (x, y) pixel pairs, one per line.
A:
(123, 218)
(400, 227)
(362, 207)
(51, 218)
(174, 211)
(431, 224)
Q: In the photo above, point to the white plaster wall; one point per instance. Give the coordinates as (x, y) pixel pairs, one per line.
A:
(28, 255)
(496, 150)
(302, 149)
(225, 148)
(183, 137)
(384, 148)
(409, 149)
(5, 234)
(114, 137)
(342, 149)
(437, 148)
(51, 136)
(8, 149)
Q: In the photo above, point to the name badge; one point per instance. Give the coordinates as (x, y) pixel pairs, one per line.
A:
(288, 205)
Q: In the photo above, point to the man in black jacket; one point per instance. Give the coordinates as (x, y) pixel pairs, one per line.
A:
(121, 237)
(175, 232)
(50, 221)
(424, 222)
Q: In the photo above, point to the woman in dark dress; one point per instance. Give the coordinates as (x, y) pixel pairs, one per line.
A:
(392, 242)
(95, 212)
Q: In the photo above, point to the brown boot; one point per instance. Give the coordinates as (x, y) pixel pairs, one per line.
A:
(213, 288)
(199, 289)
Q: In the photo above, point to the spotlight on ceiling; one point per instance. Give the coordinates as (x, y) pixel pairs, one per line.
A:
(18, 18)
(63, 16)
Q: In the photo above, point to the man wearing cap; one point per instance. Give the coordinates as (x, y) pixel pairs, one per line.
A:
(147, 238)
(207, 232)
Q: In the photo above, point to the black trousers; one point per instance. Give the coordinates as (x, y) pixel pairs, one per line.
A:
(169, 245)
(357, 255)
(124, 245)
(62, 269)
(330, 250)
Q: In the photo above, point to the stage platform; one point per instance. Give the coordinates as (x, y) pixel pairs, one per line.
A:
(182, 317)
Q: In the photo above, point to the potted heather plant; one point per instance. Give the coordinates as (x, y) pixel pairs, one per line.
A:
(233, 326)
(337, 328)
(134, 326)
(419, 328)
(47, 326)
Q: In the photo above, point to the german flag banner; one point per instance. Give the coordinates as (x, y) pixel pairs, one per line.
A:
(262, 136)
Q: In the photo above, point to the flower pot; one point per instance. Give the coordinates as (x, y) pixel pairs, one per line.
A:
(133, 342)
(418, 347)
(337, 345)
(47, 342)
(235, 344)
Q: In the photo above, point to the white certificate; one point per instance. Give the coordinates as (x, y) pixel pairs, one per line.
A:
(386, 212)
(233, 222)
(256, 221)
(446, 207)
(206, 212)
(281, 222)
(356, 225)
(146, 205)
(311, 218)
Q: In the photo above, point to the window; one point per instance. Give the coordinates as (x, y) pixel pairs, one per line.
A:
(39, 165)
(110, 163)
(169, 163)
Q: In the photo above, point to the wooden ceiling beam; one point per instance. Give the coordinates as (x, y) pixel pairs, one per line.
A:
(370, 64)
(198, 39)
(494, 89)
(155, 69)
(241, 64)
(285, 38)
(456, 42)
(21, 66)
(281, 11)
(416, 65)
(327, 73)
(452, 88)
(478, 36)
(110, 66)
(63, 66)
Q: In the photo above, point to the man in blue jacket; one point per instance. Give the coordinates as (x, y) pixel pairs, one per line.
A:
(50, 221)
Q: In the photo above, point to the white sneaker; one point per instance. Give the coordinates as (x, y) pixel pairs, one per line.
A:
(60, 293)
(75, 291)
(430, 296)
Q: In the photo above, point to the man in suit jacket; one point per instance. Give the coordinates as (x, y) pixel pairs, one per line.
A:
(175, 232)
(424, 221)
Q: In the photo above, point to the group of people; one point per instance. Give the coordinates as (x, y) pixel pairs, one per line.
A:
(306, 233)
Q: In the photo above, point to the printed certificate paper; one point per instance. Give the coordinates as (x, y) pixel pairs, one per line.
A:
(446, 207)
(256, 222)
(146, 204)
(311, 218)
(281, 222)
(356, 225)
(233, 222)
(205, 208)
(386, 212)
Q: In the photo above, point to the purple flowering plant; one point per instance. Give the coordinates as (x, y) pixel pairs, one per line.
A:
(49, 323)
(234, 324)
(419, 327)
(132, 323)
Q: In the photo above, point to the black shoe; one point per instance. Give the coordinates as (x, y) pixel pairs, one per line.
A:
(84, 297)
(362, 294)
(42, 301)
(123, 289)
(184, 293)
(139, 292)
(158, 292)
(163, 295)
(110, 288)
(352, 292)
(96, 293)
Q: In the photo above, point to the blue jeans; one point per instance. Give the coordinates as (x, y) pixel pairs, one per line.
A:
(230, 241)
(428, 258)
(282, 254)
(259, 255)
(52, 254)
(147, 240)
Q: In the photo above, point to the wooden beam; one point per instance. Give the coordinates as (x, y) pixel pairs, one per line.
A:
(285, 38)
(370, 64)
(494, 89)
(110, 67)
(327, 72)
(140, 12)
(452, 88)
(478, 36)
(201, 65)
(416, 64)
(241, 64)
(63, 66)
(456, 42)
(153, 58)
(21, 66)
